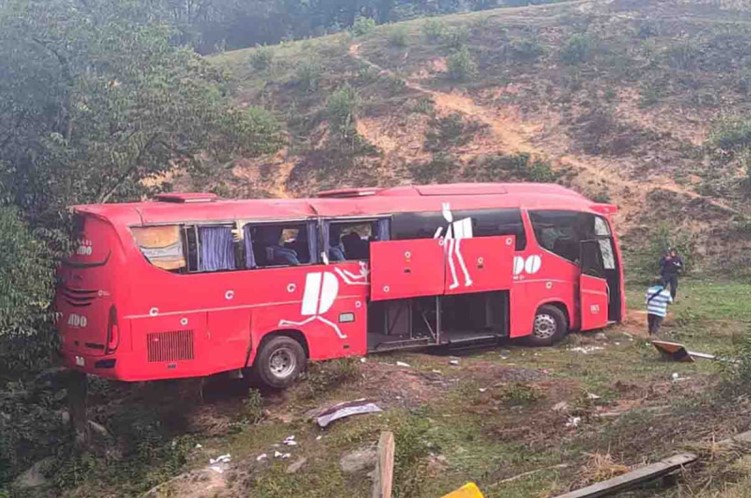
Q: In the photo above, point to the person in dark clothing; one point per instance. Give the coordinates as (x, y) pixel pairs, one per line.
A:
(671, 265)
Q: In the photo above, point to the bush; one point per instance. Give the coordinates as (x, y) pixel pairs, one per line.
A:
(447, 132)
(327, 375)
(441, 169)
(735, 374)
(513, 167)
(455, 38)
(410, 451)
(424, 105)
(683, 55)
(577, 49)
(398, 36)
(435, 30)
(525, 50)
(461, 66)
(26, 269)
(730, 135)
(363, 26)
(254, 406)
(340, 112)
(261, 58)
(308, 75)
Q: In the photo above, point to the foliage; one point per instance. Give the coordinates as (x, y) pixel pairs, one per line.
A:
(520, 167)
(735, 374)
(519, 394)
(577, 49)
(340, 109)
(730, 135)
(26, 269)
(398, 36)
(363, 26)
(93, 101)
(455, 38)
(254, 406)
(410, 451)
(442, 168)
(461, 66)
(656, 242)
(525, 49)
(449, 131)
(324, 376)
(308, 75)
(434, 29)
(261, 58)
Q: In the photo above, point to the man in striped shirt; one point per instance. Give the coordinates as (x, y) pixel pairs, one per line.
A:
(657, 300)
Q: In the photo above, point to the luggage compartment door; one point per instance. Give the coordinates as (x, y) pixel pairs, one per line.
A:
(478, 264)
(406, 268)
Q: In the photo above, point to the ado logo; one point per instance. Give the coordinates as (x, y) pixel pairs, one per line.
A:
(75, 320)
(529, 265)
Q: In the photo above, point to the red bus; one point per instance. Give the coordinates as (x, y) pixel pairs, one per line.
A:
(188, 285)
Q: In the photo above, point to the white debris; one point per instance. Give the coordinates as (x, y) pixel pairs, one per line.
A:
(220, 459)
(363, 359)
(573, 422)
(436, 371)
(585, 349)
(198, 446)
(402, 364)
(290, 441)
(318, 438)
(277, 454)
(217, 469)
(346, 409)
(482, 389)
(561, 406)
(262, 456)
(593, 396)
(675, 376)
(285, 456)
(454, 362)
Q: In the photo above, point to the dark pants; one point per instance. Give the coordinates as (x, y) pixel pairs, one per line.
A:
(654, 323)
(672, 281)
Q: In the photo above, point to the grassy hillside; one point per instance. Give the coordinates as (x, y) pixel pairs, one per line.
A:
(636, 102)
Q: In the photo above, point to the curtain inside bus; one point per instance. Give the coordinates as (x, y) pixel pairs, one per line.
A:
(216, 251)
(250, 257)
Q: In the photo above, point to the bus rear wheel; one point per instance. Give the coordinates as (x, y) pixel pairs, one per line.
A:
(279, 362)
(549, 326)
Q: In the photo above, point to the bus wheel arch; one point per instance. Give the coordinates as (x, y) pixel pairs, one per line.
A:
(550, 324)
(282, 356)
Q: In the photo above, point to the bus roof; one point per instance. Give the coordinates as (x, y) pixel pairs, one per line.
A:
(199, 207)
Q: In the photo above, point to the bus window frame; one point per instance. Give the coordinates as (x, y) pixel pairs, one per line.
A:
(324, 247)
(314, 258)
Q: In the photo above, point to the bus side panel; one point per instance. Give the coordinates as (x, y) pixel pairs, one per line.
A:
(167, 346)
(339, 332)
(229, 334)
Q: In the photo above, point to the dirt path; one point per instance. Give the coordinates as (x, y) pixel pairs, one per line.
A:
(514, 137)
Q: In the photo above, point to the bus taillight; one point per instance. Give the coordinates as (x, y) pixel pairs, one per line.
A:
(113, 331)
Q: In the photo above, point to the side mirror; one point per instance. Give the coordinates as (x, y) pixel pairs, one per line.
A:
(324, 257)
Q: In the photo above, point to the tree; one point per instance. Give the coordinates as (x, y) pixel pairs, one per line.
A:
(94, 99)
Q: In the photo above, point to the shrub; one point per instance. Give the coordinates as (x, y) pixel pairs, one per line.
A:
(327, 375)
(435, 30)
(455, 38)
(461, 66)
(525, 50)
(423, 105)
(363, 26)
(254, 406)
(440, 169)
(514, 167)
(308, 75)
(449, 131)
(340, 112)
(410, 451)
(730, 135)
(735, 374)
(577, 49)
(683, 55)
(398, 36)
(261, 58)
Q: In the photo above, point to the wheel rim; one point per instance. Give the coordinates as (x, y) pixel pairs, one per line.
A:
(282, 363)
(545, 326)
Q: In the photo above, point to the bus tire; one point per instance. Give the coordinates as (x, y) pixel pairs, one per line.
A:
(549, 326)
(279, 362)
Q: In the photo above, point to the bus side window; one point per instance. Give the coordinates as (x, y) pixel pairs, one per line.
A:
(209, 248)
(348, 241)
(281, 244)
(557, 231)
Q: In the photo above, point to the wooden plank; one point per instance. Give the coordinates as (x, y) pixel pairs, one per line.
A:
(382, 482)
(637, 476)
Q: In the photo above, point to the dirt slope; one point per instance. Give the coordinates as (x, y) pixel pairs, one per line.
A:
(633, 102)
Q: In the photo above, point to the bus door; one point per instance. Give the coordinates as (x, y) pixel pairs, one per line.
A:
(478, 264)
(594, 291)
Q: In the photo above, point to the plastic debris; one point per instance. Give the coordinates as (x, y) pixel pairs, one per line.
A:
(262, 456)
(363, 359)
(482, 389)
(675, 376)
(290, 441)
(318, 438)
(198, 446)
(346, 409)
(277, 454)
(436, 371)
(593, 396)
(585, 349)
(573, 422)
(402, 364)
(220, 459)
(454, 361)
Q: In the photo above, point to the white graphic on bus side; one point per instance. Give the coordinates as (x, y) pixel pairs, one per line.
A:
(530, 265)
(320, 292)
(77, 321)
(451, 240)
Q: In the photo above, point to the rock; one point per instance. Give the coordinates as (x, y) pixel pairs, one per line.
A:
(294, 467)
(34, 475)
(358, 460)
(561, 406)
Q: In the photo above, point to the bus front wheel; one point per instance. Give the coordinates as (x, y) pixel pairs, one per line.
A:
(549, 326)
(279, 362)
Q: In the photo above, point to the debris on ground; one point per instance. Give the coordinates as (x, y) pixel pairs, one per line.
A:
(219, 464)
(561, 406)
(402, 364)
(454, 361)
(600, 336)
(295, 466)
(290, 441)
(573, 422)
(358, 460)
(593, 396)
(346, 409)
(262, 456)
(283, 456)
(585, 349)
(469, 490)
